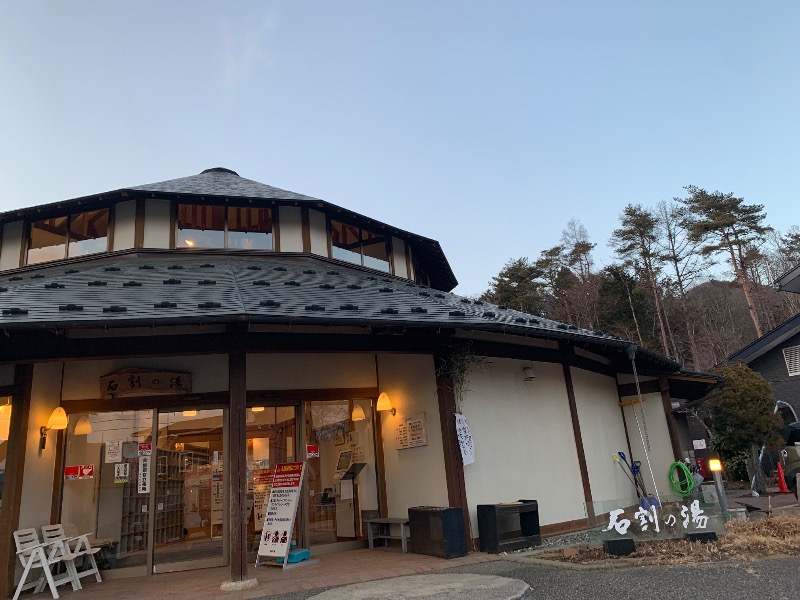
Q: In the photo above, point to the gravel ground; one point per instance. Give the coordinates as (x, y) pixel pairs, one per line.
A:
(775, 579)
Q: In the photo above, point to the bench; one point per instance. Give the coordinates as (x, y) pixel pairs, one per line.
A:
(388, 522)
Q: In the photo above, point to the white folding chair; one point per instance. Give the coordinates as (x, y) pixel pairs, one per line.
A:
(33, 555)
(77, 545)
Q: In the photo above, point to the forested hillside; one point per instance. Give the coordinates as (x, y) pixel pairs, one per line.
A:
(692, 277)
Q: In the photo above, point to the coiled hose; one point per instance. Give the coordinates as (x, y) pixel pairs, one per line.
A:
(685, 487)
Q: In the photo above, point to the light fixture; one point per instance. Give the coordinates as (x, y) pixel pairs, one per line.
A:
(5, 420)
(257, 409)
(384, 404)
(714, 464)
(189, 413)
(83, 426)
(358, 413)
(527, 374)
(58, 420)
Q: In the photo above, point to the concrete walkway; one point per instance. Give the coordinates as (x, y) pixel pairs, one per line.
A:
(429, 587)
(337, 569)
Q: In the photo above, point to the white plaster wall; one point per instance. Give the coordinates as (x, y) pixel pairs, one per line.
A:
(124, 224)
(82, 378)
(414, 476)
(603, 432)
(661, 456)
(524, 443)
(157, 223)
(37, 483)
(319, 232)
(11, 249)
(309, 371)
(290, 222)
(399, 257)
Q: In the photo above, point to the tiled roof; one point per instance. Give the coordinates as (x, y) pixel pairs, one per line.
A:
(149, 287)
(221, 182)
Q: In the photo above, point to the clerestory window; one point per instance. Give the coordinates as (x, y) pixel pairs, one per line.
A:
(68, 236)
(207, 226)
(360, 246)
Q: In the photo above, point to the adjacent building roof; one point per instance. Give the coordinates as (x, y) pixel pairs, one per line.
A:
(789, 281)
(767, 342)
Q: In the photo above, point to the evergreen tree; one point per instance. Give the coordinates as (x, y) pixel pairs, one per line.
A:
(516, 286)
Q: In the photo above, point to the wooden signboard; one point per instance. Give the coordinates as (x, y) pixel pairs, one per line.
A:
(143, 382)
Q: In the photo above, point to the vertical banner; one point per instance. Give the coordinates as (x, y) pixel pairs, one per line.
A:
(144, 475)
(465, 440)
(281, 511)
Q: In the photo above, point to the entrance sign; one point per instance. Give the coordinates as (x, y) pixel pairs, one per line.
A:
(281, 511)
(143, 382)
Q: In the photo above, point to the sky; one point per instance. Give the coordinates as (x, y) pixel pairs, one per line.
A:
(484, 125)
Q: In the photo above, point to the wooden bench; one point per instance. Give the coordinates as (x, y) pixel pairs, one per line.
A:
(388, 522)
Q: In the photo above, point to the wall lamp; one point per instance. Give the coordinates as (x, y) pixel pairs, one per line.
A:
(527, 374)
(57, 420)
(384, 404)
(358, 413)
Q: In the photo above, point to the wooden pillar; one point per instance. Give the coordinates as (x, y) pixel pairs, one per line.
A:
(15, 467)
(453, 463)
(567, 352)
(666, 400)
(236, 455)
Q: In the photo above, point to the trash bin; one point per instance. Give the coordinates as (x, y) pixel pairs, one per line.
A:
(437, 531)
(508, 526)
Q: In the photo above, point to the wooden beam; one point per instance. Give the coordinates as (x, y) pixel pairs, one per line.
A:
(650, 386)
(14, 473)
(453, 462)
(306, 229)
(383, 504)
(666, 401)
(138, 226)
(236, 455)
(58, 476)
(576, 431)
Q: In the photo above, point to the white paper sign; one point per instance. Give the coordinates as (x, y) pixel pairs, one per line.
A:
(465, 440)
(122, 471)
(281, 511)
(699, 444)
(113, 452)
(144, 475)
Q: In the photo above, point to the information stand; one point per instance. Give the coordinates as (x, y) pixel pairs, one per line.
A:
(281, 511)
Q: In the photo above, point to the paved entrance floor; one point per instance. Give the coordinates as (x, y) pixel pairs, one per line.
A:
(341, 568)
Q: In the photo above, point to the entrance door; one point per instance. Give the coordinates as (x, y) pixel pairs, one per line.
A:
(271, 439)
(189, 525)
(342, 480)
(107, 485)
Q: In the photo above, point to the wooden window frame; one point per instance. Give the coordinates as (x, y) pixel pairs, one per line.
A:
(387, 241)
(226, 206)
(69, 216)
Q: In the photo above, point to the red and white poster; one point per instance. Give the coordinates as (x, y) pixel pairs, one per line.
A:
(145, 448)
(312, 450)
(281, 511)
(79, 472)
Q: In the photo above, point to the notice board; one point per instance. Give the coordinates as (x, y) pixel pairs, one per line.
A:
(281, 511)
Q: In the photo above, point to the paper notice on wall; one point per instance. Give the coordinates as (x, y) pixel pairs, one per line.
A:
(113, 452)
(217, 503)
(122, 472)
(699, 444)
(465, 440)
(143, 486)
(262, 482)
(79, 472)
(281, 510)
(412, 431)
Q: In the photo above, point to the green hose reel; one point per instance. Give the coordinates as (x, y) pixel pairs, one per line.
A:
(685, 487)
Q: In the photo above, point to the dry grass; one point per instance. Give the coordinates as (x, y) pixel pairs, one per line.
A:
(745, 540)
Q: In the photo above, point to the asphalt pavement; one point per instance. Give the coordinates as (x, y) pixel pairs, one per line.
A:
(773, 579)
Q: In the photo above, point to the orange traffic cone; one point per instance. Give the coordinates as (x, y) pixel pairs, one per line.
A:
(782, 489)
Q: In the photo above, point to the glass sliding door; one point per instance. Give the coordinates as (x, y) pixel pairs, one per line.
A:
(271, 439)
(342, 480)
(107, 484)
(190, 499)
